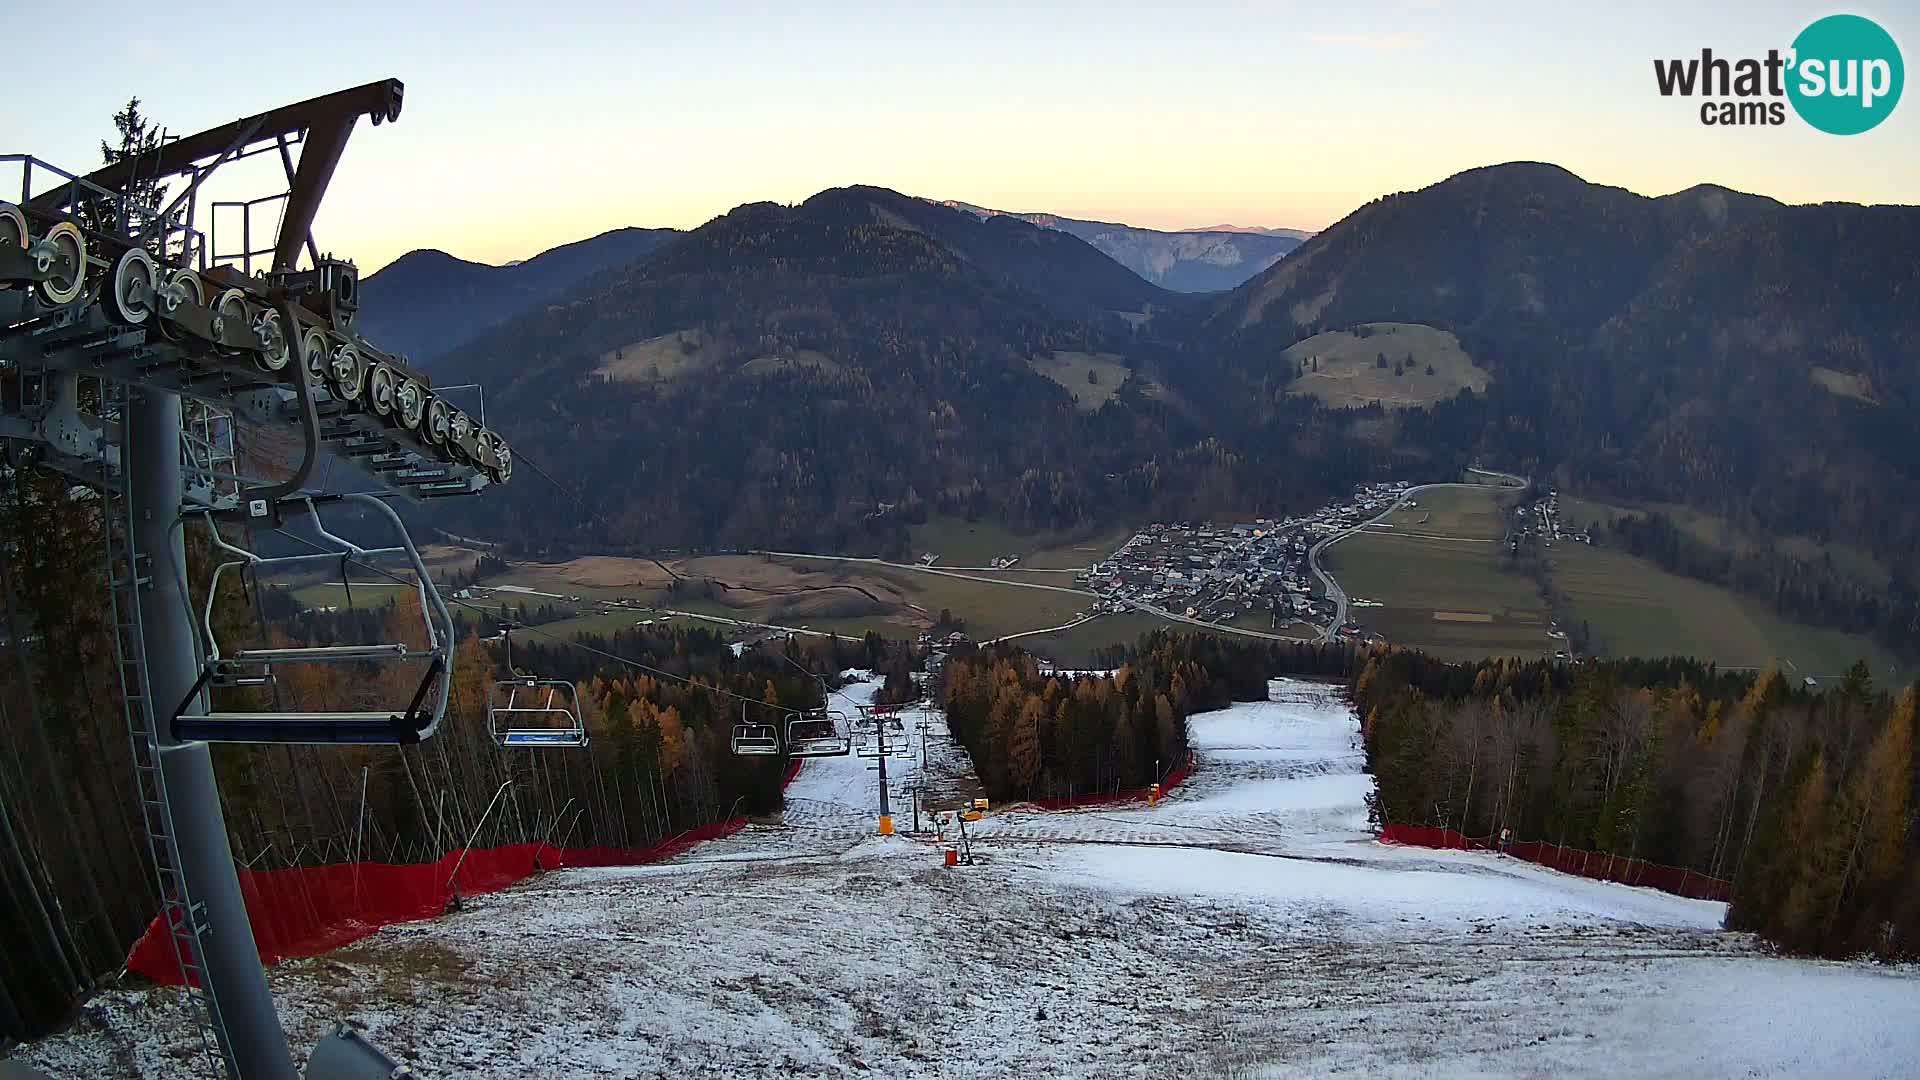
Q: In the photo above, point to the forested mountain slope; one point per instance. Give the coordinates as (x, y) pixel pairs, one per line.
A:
(1756, 360)
(822, 375)
(427, 303)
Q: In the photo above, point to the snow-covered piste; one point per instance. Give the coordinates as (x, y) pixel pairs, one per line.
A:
(1248, 926)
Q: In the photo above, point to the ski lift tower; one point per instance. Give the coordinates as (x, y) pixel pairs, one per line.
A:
(125, 336)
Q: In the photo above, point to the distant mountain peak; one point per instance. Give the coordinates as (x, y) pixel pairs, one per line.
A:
(1253, 230)
(1187, 261)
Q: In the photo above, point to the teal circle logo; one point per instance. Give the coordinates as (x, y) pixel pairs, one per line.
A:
(1846, 75)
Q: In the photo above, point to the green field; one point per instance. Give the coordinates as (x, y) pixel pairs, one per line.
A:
(1634, 608)
(1071, 370)
(1453, 513)
(1075, 648)
(334, 594)
(973, 543)
(1447, 597)
(1343, 367)
(990, 610)
(1438, 579)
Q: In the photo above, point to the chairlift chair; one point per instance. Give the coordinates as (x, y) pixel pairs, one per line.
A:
(817, 733)
(413, 723)
(528, 711)
(536, 712)
(755, 739)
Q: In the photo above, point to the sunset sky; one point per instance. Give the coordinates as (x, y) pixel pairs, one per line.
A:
(531, 125)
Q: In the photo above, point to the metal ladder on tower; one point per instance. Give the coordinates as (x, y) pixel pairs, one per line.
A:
(129, 571)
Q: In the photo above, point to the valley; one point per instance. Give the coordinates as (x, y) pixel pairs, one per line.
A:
(1428, 567)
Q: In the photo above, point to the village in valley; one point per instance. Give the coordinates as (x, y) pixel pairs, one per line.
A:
(1220, 573)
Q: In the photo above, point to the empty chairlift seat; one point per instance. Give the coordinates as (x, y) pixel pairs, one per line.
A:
(410, 722)
(532, 712)
(756, 740)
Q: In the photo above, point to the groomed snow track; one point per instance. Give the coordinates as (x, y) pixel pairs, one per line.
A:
(1246, 927)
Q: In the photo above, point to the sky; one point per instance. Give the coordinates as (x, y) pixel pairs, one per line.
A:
(531, 125)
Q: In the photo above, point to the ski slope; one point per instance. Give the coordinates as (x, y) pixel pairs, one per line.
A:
(1246, 927)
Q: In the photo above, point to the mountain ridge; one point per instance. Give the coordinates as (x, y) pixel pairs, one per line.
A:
(1192, 261)
(428, 302)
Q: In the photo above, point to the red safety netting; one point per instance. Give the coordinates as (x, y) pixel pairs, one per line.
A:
(309, 910)
(1073, 802)
(1589, 864)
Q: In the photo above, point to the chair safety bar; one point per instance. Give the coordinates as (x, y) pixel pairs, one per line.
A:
(416, 723)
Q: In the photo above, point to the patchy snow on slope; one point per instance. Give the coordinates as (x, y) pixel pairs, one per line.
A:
(1246, 927)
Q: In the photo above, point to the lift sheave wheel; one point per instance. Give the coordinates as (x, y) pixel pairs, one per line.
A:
(67, 249)
(275, 350)
(439, 422)
(13, 226)
(313, 355)
(410, 402)
(187, 288)
(346, 371)
(132, 289)
(380, 390)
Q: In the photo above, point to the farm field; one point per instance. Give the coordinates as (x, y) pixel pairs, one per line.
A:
(844, 597)
(990, 610)
(1447, 597)
(333, 594)
(1456, 513)
(1435, 572)
(1634, 608)
(973, 543)
(1075, 648)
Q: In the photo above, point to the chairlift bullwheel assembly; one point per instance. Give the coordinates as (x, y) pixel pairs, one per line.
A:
(132, 291)
(67, 257)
